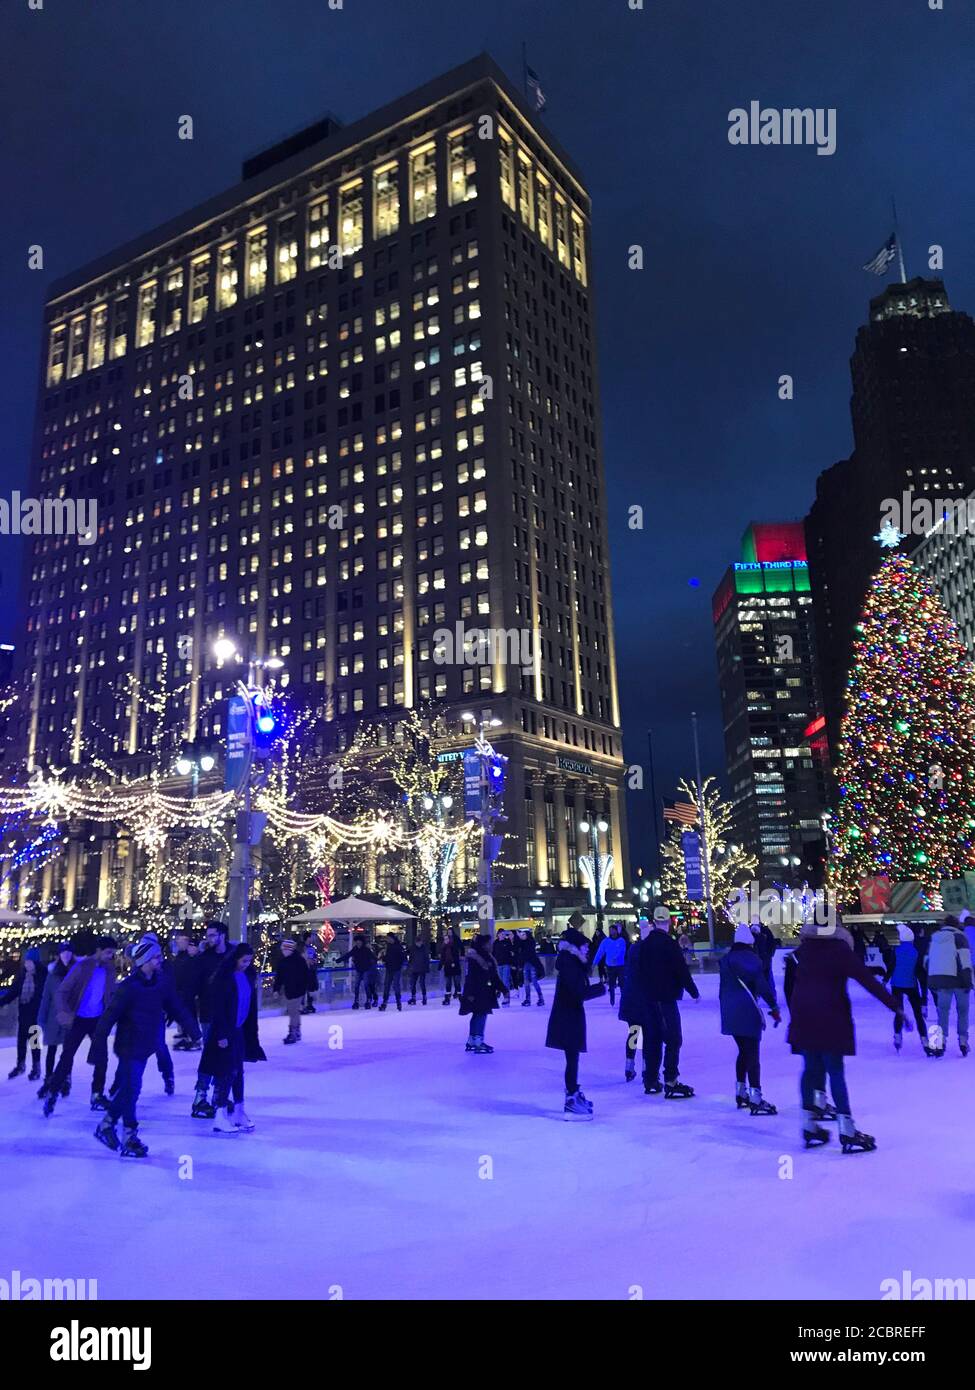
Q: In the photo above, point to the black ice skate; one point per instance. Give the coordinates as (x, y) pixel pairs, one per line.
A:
(741, 1097)
(202, 1109)
(813, 1134)
(965, 1049)
(629, 1073)
(758, 1106)
(652, 1087)
(852, 1140)
(105, 1134)
(822, 1108)
(35, 1072)
(576, 1107)
(481, 1046)
(133, 1146)
(169, 1085)
(49, 1104)
(98, 1101)
(17, 1071)
(676, 1090)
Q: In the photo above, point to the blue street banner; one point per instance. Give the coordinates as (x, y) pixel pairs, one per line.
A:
(693, 868)
(472, 783)
(239, 743)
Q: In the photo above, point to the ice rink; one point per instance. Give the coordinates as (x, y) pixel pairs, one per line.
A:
(388, 1163)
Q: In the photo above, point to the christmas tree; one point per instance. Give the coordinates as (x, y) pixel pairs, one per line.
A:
(906, 768)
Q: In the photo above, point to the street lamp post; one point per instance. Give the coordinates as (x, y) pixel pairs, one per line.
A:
(594, 829)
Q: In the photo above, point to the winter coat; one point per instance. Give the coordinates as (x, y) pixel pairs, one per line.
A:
(207, 963)
(789, 979)
(526, 953)
(612, 950)
(766, 945)
(420, 958)
(138, 1012)
(903, 969)
(54, 1032)
(185, 974)
(72, 988)
(949, 961)
(291, 976)
(503, 952)
(877, 954)
(633, 1004)
(822, 1020)
(743, 981)
(482, 985)
(362, 957)
(395, 957)
(664, 973)
(567, 1021)
(243, 1045)
(26, 1010)
(450, 955)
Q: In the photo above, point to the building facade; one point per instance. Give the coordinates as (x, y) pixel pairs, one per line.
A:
(346, 413)
(775, 744)
(947, 556)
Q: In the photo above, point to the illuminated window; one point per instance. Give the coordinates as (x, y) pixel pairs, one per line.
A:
(55, 355)
(98, 336)
(76, 347)
(173, 303)
(120, 328)
(317, 234)
(423, 182)
(561, 230)
(227, 276)
(506, 154)
(256, 261)
(350, 218)
(461, 166)
(146, 318)
(199, 288)
(578, 248)
(385, 200)
(286, 262)
(543, 194)
(526, 201)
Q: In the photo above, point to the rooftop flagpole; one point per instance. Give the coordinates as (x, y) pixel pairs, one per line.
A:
(900, 249)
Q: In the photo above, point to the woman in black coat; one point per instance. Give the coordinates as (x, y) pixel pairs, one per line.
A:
(27, 989)
(53, 1033)
(633, 1010)
(233, 1038)
(479, 997)
(567, 1021)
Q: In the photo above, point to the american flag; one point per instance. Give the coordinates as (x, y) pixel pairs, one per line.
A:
(535, 88)
(684, 812)
(879, 263)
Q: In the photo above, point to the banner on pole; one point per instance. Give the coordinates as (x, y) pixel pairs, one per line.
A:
(693, 867)
(472, 783)
(239, 743)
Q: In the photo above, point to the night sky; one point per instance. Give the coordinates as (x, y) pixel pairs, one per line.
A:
(752, 255)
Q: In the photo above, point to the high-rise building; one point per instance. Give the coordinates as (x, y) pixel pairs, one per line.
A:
(337, 412)
(775, 745)
(946, 555)
(913, 411)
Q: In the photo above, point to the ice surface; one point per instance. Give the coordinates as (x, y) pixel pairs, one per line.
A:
(366, 1177)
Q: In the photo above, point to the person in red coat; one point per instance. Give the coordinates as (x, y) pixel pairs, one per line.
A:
(821, 1028)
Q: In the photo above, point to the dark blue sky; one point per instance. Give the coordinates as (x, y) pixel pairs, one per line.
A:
(752, 254)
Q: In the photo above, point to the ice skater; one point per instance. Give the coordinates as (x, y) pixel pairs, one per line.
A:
(903, 984)
(949, 974)
(28, 990)
(53, 1033)
(821, 1029)
(291, 980)
(664, 976)
(504, 959)
(184, 968)
(82, 997)
(567, 1022)
(482, 988)
(450, 963)
(394, 958)
(633, 1009)
(208, 963)
(233, 1039)
(743, 981)
(363, 960)
(138, 1011)
(532, 969)
(611, 952)
(419, 965)
(311, 960)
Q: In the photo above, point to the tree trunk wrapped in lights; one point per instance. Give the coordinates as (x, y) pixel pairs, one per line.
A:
(731, 867)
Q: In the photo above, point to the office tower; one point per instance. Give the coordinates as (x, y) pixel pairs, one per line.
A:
(913, 412)
(342, 409)
(775, 744)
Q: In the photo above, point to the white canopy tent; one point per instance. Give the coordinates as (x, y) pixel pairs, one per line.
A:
(7, 915)
(353, 910)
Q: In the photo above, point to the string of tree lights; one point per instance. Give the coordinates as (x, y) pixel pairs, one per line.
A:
(730, 865)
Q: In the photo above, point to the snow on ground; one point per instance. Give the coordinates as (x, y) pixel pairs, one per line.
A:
(366, 1177)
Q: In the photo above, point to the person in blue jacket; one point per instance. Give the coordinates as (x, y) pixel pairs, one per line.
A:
(902, 981)
(612, 952)
(743, 980)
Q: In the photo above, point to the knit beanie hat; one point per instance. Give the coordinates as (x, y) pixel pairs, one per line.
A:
(744, 935)
(905, 933)
(144, 952)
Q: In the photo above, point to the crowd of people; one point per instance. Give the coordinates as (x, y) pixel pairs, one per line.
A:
(210, 990)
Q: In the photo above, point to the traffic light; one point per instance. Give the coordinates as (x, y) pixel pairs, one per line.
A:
(265, 724)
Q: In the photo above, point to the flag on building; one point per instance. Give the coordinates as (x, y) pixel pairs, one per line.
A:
(878, 264)
(682, 812)
(534, 87)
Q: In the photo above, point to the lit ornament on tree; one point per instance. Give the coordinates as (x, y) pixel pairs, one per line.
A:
(906, 768)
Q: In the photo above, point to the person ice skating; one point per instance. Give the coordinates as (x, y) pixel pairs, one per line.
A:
(53, 1033)
(821, 1029)
(949, 972)
(363, 960)
(208, 963)
(138, 1011)
(311, 960)
(451, 955)
(504, 957)
(633, 1008)
(394, 958)
(567, 1021)
(232, 1039)
(479, 997)
(184, 970)
(532, 969)
(83, 995)
(28, 990)
(419, 965)
(611, 952)
(903, 984)
(592, 947)
(877, 956)
(291, 981)
(743, 981)
(766, 944)
(664, 976)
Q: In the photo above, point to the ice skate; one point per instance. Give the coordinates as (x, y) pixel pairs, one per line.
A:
(741, 1096)
(526, 1003)
(356, 1005)
(852, 1140)
(812, 1132)
(290, 1038)
(66, 1088)
(481, 1046)
(382, 1007)
(470, 1044)
(540, 1003)
(223, 1122)
(629, 1072)
(399, 1006)
(822, 1108)
(576, 1107)
(132, 1146)
(44, 1088)
(757, 1105)
(581, 1097)
(653, 1087)
(98, 1101)
(898, 1042)
(49, 1103)
(963, 1047)
(676, 1090)
(411, 1001)
(202, 1109)
(34, 1072)
(242, 1120)
(445, 1000)
(17, 1071)
(105, 1134)
(169, 1085)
